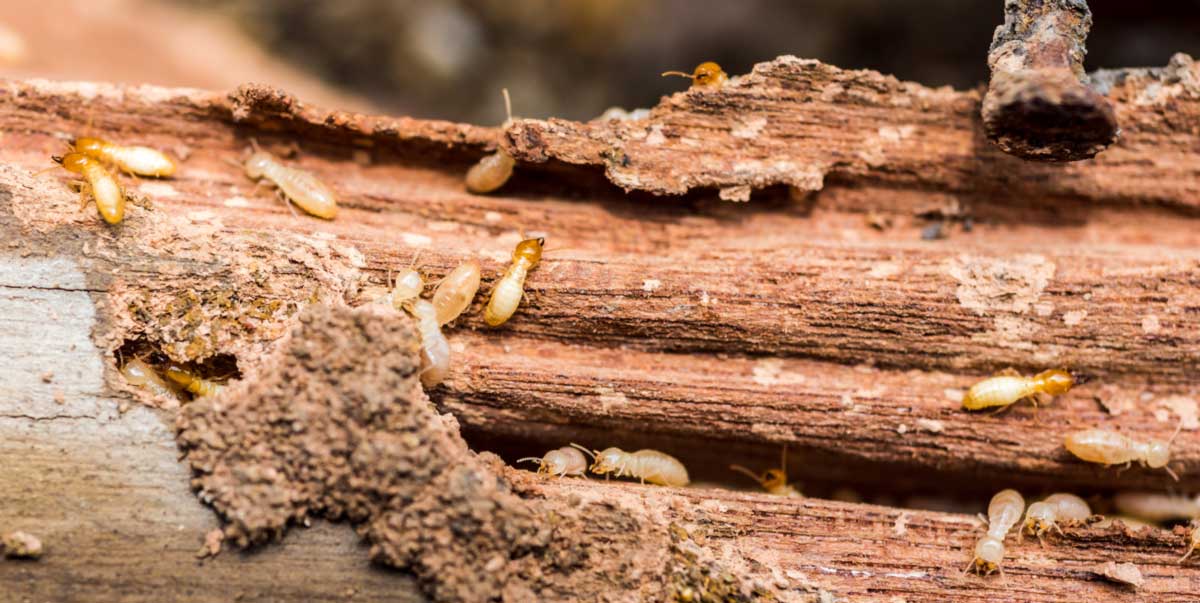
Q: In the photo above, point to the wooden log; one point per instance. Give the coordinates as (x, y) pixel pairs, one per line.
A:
(716, 331)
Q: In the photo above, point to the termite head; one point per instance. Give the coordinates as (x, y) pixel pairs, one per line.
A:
(554, 462)
(706, 75)
(608, 460)
(1055, 382)
(770, 479)
(529, 250)
(74, 162)
(258, 163)
(1158, 452)
(409, 286)
(1039, 519)
(88, 145)
(989, 552)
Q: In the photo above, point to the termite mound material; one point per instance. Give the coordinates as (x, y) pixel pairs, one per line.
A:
(337, 425)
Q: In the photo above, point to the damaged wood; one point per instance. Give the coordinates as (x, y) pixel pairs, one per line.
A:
(715, 331)
(815, 127)
(1039, 105)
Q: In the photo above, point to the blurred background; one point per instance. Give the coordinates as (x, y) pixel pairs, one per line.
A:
(448, 59)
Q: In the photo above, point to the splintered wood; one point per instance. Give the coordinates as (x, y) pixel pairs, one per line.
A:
(661, 316)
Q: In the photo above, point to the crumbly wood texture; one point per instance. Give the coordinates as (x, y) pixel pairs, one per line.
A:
(711, 330)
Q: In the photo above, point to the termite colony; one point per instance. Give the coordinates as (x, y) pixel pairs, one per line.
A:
(100, 162)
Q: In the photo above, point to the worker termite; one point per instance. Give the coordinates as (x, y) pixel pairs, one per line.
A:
(110, 199)
(435, 350)
(1111, 448)
(507, 293)
(138, 373)
(1155, 506)
(1193, 540)
(645, 465)
(1003, 512)
(774, 481)
(1053, 511)
(142, 161)
(1004, 390)
(296, 185)
(560, 462)
(706, 75)
(409, 286)
(192, 383)
(456, 291)
(493, 170)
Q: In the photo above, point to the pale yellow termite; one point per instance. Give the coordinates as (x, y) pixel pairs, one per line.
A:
(1053, 511)
(435, 350)
(706, 75)
(298, 186)
(456, 291)
(143, 161)
(774, 481)
(645, 465)
(493, 170)
(1193, 540)
(1112, 448)
(138, 373)
(105, 189)
(507, 293)
(1004, 511)
(1004, 390)
(560, 462)
(194, 384)
(409, 286)
(1156, 506)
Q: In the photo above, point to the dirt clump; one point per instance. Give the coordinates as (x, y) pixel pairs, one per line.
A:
(337, 425)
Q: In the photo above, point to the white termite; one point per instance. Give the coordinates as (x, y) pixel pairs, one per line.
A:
(1157, 506)
(300, 187)
(509, 290)
(1004, 511)
(1111, 448)
(1053, 511)
(645, 465)
(560, 462)
(493, 170)
(454, 294)
(435, 350)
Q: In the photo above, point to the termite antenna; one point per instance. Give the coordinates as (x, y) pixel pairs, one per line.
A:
(748, 473)
(254, 144)
(783, 461)
(529, 458)
(235, 164)
(591, 453)
(1170, 472)
(1178, 428)
(679, 73)
(507, 106)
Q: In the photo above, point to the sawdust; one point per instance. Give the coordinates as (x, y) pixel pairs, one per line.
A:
(337, 425)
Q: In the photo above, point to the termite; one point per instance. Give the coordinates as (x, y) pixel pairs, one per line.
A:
(645, 465)
(507, 293)
(1154, 506)
(409, 286)
(493, 170)
(1054, 510)
(774, 481)
(297, 186)
(706, 75)
(138, 373)
(1193, 540)
(1005, 390)
(1004, 511)
(196, 385)
(560, 462)
(435, 350)
(110, 199)
(1111, 448)
(456, 291)
(142, 161)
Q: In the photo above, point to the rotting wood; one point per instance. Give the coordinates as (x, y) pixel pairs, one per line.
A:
(805, 124)
(671, 283)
